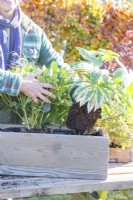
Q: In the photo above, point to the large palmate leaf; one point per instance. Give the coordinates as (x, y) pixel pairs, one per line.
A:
(91, 56)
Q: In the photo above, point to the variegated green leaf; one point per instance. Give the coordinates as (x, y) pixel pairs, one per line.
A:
(86, 54)
(72, 89)
(78, 91)
(106, 78)
(90, 106)
(91, 56)
(99, 97)
(81, 65)
(87, 96)
(94, 76)
(107, 94)
(129, 91)
(118, 73)
(78, 98)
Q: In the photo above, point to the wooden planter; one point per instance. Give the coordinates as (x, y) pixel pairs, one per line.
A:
(49, 155)
(119, 155)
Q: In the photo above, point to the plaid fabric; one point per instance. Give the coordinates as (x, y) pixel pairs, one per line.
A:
(9, 83)
(36, 47)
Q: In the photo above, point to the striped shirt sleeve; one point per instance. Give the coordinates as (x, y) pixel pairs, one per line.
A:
(48, 53)
(9, 83)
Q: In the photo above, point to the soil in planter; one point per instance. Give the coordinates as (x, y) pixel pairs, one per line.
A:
(55, 131)
(80, 120)
(113, 145)
(21, 129)
(37, 130)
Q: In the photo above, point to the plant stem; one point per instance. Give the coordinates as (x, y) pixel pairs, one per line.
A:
(41, 118)
(26, 119)
(35, 120)
(19, 116)
(6, 99)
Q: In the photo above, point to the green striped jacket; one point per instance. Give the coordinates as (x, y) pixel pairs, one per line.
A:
(36, 49)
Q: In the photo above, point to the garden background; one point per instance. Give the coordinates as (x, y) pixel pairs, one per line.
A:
(85, 23)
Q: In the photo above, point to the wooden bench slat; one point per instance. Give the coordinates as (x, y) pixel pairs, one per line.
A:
(30, 186)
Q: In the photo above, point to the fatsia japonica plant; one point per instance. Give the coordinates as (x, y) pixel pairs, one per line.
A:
(36, 116)
(94, 89)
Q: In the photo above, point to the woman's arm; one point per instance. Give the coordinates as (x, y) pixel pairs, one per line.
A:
(12, 84)
(9, 83)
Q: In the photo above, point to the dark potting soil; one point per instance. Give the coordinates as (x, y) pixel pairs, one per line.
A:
(35, 130)
(71, 132)
(55, 131)
(63, 132)
(80, 120)
(21, 129)
(113, 145)
(97, 133)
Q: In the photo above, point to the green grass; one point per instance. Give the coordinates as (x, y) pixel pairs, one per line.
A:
(56, 197)
(116, 195)
(112, 195)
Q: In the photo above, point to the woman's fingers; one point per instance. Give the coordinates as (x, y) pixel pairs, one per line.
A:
(47, 93)
(36, 89)
(40, 96)
(48, 85)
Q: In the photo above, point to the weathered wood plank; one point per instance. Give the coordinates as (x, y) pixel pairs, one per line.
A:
(17, 187)
(57, 152)
(114, 168)
(43, 186)
(11, 125)
(51, 172)
(120, 168)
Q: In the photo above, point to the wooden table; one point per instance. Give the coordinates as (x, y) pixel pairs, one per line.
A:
(120, 176)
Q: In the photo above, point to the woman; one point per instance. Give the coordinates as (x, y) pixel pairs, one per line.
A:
(21, 37)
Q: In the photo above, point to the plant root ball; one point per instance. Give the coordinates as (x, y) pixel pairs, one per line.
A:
(80, 120)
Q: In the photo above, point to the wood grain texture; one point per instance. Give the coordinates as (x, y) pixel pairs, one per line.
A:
(17, 187)
(52, 172)
(11, 125)
(59, 155)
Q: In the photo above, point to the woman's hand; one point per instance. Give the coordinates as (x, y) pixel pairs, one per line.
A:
(35, 89)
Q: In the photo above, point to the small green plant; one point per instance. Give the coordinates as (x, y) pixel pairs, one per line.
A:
(36, 116)
(117, 118)
(94, 87)
(114, 120)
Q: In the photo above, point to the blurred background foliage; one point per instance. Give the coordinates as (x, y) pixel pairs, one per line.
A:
(85, 23)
